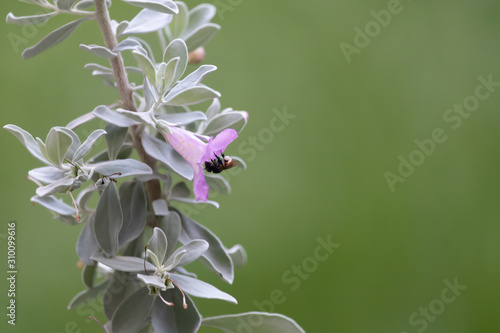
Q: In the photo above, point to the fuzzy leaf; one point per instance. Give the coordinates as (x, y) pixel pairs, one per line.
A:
(197, 288)
(59, 186)
(131, 314)
(113, 117)
(215, 258)
(118, 289)
(199, 16)
(29, 20)
(98, 50)
(171, 226)
(147, 21)
(234, 119)
(47, 175)
(164, 153)
(133, 203)
(201, 36)
(84, 149)
(162, 6)
(125, 168)
(80, 120)
(218, 184)
(57, 145)
(87, 244)
(192, 251)
(238, 255)
(115, 137)
(175, 318)
(65, 4)
(56, 205)
(108, 220)
(269, 323)
(158, 244)
(146, 65)
(192, 96)
(127, 44)
(177, 49)
(190, 81)
(152, 281)
(179, 21)
(53, 38)
(86, 295)
(124, 263)
(28, 141)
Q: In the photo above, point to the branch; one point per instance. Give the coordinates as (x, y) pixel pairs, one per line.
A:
(110, 40)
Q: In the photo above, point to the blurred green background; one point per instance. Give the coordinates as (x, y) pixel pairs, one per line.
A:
(321, 176)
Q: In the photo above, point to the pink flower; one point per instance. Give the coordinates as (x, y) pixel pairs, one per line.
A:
(197, 152)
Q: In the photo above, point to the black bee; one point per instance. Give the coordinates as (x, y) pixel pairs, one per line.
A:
(220, 163)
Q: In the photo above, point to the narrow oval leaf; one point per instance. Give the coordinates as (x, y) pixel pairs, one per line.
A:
(29, 20)
(122, 168)
(28, 141)
(57, 145)
(80, 120)
(84, 149)
(86, 295)
(65, 4)
(234, 119)
(127, 44)
(177, 49)
(201, 36)
(133, 202)
(197, 288)
(56, 205)
(53, 38)
(193, 250)
(133, 312)
(88, 274)
(199, 16)
(115, 137)
(46, 175)
(158, 244)
(113, 117)
(146, 65)
(190, 81)
(118, 289)
(163, 152)
(238, 255)
(218, 184)
(87, 244)
(160, 207)
(98, 50)
(55, 187)
(195, 202)
(175, 318)
(162, 6)
(192, 96)
(215, 258)
(108, 220)
(124, 263)
(147, 21)
(179, 21)
(171, 226)
(257, 322)
(184, 118)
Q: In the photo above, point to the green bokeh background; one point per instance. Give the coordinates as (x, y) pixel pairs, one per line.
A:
(321, 176)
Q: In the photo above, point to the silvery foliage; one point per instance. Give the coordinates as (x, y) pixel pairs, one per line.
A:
(141, 291)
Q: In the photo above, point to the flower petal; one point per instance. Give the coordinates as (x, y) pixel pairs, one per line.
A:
(219, 144)
(187, 145)
(200, 187)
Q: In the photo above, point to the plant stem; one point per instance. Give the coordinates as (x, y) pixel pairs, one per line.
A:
(110, 40)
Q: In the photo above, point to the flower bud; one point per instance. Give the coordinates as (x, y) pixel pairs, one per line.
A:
(196, 56)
